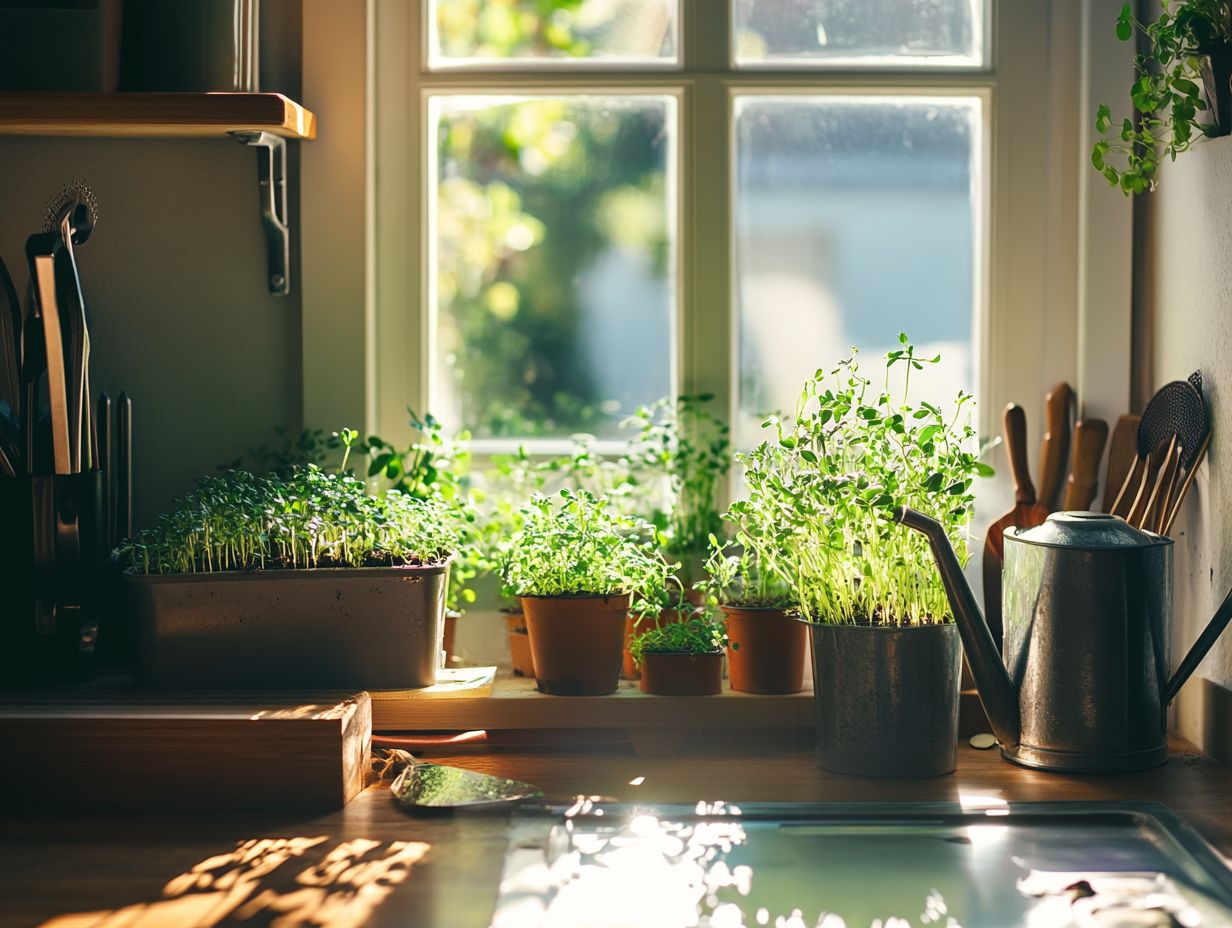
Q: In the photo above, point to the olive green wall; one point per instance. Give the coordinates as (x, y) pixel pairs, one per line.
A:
(175, 280)
(174, 277)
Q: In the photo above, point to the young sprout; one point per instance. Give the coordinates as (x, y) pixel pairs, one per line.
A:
(695, 636)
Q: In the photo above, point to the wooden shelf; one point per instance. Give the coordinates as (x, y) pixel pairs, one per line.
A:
(516, 704)
(154, 115)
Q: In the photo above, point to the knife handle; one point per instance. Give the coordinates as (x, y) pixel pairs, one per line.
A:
(1090, 436)
(1054, 449)
(124, 466)
(102, 425)
(1016, 446)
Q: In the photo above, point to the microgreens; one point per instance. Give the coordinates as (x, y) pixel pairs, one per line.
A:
(575, 545)
(694, 636)
(827, 485)
(311, 518)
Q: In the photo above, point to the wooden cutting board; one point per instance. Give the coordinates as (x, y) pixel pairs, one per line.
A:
(131, 750)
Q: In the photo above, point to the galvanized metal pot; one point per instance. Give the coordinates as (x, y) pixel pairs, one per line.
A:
(353, 627)
(887, 699)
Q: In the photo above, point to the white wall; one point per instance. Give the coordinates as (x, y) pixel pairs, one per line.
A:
(1184, 297)
(174, 277)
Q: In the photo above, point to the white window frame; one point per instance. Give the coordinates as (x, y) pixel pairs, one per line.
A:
(1057, 268)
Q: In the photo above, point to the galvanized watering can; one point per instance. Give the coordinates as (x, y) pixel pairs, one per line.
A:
(1087, 608)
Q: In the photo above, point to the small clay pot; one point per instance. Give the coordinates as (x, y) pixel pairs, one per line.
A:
(451, 635)
(519, 645)
(575, 642)
(628, 666)
(765, 650)
(673, 674)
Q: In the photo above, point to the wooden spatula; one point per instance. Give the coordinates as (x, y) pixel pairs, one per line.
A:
(1054, 448)
(1026, 513)
(1090, 436)
(1122, 455)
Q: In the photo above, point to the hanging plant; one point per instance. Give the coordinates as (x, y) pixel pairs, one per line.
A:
(1189, 47)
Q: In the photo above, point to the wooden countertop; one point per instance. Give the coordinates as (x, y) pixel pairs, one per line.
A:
(371, 864)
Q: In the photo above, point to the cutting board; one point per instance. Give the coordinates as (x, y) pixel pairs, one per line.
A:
(133, 750)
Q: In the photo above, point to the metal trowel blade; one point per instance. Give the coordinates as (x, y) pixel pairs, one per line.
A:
(432, 786)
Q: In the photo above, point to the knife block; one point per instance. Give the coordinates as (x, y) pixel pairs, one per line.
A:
(53, 552)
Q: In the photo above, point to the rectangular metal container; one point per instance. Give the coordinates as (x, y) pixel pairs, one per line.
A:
(359, 628)
(984, 863)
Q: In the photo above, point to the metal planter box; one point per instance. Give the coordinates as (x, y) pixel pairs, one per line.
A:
(358, 628)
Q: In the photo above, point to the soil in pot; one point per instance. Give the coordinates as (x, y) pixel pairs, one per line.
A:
(673, 674)
(519, 644)
(628, 666)
(886, 699)
(766, 650)
(575, 642)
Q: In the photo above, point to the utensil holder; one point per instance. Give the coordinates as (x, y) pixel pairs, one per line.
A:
(53, 550)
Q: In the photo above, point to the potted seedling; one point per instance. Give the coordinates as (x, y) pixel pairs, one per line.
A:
(305, 580)
(749, 580)
(678, 457)
(1190, 44)
(578, 568)
(682, 658)
(511, 478)
(687, 446)
(886, 651)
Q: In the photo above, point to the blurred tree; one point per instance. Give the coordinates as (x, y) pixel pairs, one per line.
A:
(531, 193)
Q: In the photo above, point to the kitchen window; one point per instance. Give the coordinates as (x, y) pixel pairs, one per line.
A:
(608, 201)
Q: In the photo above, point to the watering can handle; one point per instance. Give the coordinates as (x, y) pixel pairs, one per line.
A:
(1205, 641)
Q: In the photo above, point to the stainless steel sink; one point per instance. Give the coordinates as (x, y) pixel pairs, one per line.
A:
(979, 863)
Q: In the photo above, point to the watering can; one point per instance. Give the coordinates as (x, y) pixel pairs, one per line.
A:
(1087, 608)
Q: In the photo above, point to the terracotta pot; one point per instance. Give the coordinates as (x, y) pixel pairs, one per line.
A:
(765, 651)
(668, 674)
(628, 666)
(451, 635)
(519, 645)
(575, 642)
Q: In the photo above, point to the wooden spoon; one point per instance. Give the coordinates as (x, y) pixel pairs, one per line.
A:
(1090, 436)
(1025, 514)
(1054, 449)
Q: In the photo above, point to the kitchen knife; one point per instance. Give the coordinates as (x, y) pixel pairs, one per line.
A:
(42, 250)
(77, 348)
(124, 466)
(104, 463)
(1090, 435)
(1054, 449)
(10, 341)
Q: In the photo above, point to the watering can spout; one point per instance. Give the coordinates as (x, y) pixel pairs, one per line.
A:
(991, 679)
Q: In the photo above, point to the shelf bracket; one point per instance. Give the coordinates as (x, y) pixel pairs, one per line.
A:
(272, 180)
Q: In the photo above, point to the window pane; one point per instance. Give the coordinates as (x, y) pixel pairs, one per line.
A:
(553, 261)
(854, 33)
(478, 33)
(854, 220)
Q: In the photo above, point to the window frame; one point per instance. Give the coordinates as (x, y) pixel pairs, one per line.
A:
(1054, 238)
(706, 84)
